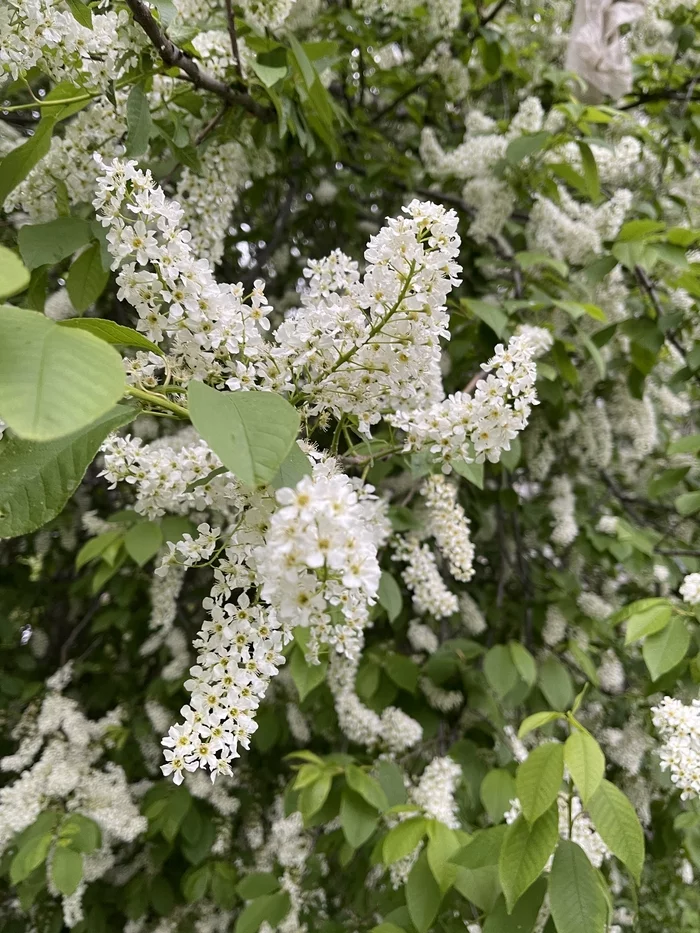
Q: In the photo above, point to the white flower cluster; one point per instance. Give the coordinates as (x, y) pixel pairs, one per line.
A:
(422, 577)
(319, 561)
(679, 727)
(435, 792)
(449, 525)
(44, 34)
(393, 730)
(175, 294)
(422, 637)
(266, 14)
(471, 615)
(374, 347)
(555, 626)
(690, 589)
(563, 509)
(479, 426)
(575, 231)
(70, 161)
(162, 472)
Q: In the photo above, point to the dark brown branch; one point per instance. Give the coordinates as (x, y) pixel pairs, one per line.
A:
(492, 13)
(174, 57)
(231, 22)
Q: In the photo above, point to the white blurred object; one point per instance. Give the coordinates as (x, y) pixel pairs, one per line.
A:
(597, 52)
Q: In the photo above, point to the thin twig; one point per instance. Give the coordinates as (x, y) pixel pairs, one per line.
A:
(492, 13)
(211, 125)
(231, 22)
(174, 57)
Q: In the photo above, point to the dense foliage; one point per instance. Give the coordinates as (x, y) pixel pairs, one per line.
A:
(361, 593)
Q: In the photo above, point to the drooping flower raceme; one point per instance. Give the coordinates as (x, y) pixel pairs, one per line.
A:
(679, 727)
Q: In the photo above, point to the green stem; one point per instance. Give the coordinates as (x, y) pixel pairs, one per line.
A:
(153, 399)
(41, 104)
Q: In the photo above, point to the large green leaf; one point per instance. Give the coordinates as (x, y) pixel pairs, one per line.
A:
(575, 896)
(87, 279)
(42, 244)
(53, 381)
(649, 622)
(66, 870)
(477, 878)
(36, 480)
(616, 821)
(524, 914)
(661, 652)
(585, 762)
(423, 895)
(138, 120)
(272, 908)
(539, 778)
(14, 275)
(252, 432)
(357, 818)
(496, 792)
(524, 853)
(402, 839)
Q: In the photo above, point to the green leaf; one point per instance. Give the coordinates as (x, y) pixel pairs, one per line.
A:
(19, 161)
(87, 279)
(313, 797)
(524, 915)
(403, 839)
(536, 721)
(666, 481)
(252, 432)
(524, 662)
(530, 260)
(66, 870)
(477, 877)
(36, 480)
(390, 597)
(490, 314)
(556, 684)
(257, 884)
(81, 12)
(53, 381)
(649, 622)
(195, 882)
(294, 467)
(685, 445)
(46, 244)
(590, 170)
(30, 855)
(442, 845)
(271, 67)
(142, 541)
(367, 787)
(472, 472)
(661, 652)
(500, 670)
(538, 779)
(358, 819)
(139, 123)
(306, 676)
(423, 895)
(586, 763)
(272, 908)
(496, 792)
(525, 851)
(688, 503)
(403, 671)
(14, 275)
(524, 146)
(575, 896)
(618, 825)
(82, 833)
(390, 777)
(639, 605)
(112, 333)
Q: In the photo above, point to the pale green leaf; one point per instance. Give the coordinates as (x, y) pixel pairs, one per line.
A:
(53, 381)
(652, 620)
(618, 825)
(143, 541)
(66, 870)
(586, 763)
(536, 721)
(496, 792)
(423, 895)
(48, 243)
(390, 597)
(19, 161)
(661, 652)
(139, 123)
(113, 333)
(14, 275)
(525, 851)
(538, 779)
(358, 819)
(576, 899)
(271, 908)
(87, 279)
(252, 432)
(403, 839)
